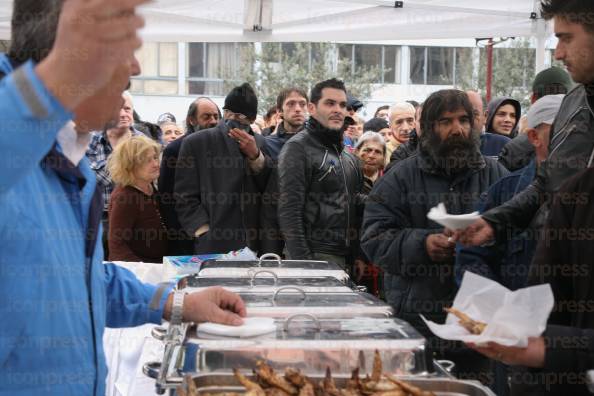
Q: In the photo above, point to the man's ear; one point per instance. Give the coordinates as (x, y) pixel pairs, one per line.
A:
(533, 137)
(311, 108)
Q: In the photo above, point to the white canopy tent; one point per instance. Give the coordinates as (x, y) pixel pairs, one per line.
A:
(334, 20)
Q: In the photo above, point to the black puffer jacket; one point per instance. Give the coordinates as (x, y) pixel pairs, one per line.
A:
(395, 227)
(571, 149)
(319, 186)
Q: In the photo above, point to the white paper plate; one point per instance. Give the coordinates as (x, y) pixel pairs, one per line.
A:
(251, 327)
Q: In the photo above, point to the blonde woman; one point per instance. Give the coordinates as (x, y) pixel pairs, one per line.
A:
(136, 231)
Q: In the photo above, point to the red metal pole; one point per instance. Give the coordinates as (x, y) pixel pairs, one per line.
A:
(489, 68)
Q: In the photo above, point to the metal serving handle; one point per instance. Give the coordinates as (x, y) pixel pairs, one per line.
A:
(253, 278)
(282, 289)
(272, 256)
(447, 365)
(159, 333)
(302, 315)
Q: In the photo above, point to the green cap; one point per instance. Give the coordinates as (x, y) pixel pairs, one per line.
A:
(551, 81)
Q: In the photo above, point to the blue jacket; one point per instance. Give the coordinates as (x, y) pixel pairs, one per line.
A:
(275, 143)
(492, 144)
(507, 263)
(56, 295)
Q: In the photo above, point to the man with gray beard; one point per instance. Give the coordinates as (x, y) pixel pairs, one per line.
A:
(415, 252)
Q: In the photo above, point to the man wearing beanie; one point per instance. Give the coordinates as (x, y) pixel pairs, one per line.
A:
(220, 175)
(319, 182)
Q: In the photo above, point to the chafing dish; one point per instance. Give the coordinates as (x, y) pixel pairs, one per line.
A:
(266, 281)
(281, 268)
(221, 383)
(304, 342)
(290, 300)
(312, 344)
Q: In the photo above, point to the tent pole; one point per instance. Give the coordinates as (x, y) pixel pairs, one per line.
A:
(489, 68)
(541, 38)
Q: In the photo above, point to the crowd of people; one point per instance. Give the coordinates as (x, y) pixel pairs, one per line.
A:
(311, 180)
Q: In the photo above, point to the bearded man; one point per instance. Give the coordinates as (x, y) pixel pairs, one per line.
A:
(415, 252)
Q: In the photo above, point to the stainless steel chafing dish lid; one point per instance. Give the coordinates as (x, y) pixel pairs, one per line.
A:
(292, 300)
(311, 345)
(292, 268)
(309, 331)
(266, 281)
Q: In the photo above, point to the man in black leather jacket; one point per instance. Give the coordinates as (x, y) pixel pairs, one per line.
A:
(320, 182)
(571, 147)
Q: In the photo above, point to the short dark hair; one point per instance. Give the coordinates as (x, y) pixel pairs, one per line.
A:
(271, 111)
(414, 103)
(316, 91)
(193, 110)
(33, 29)
(574, 11)
(285, 93)
(441, 101)
(384, 107)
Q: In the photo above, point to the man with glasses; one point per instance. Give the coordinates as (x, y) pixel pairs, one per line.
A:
(220, 174)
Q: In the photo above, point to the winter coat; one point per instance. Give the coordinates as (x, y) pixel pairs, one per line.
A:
(508, 261)
(319, 184)
(563, 259)
(214, 185)
(395, 227)
(571, 149)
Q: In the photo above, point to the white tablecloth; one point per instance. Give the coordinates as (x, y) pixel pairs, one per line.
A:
(126, 350)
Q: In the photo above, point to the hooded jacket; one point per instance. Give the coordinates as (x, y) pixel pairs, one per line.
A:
(492, 108)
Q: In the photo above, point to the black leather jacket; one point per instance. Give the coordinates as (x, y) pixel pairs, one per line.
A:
(319, 185)
(571, 149)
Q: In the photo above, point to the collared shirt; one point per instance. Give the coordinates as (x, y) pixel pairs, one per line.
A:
(73, 144)
(98, 152)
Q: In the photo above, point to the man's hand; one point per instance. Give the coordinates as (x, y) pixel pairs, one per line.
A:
(214, 304)
(247, 143)
(93, 38)
(476, 234)
(531, 356)
(440, 247)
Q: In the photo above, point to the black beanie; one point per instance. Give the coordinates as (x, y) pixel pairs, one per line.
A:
(375, 125)
(242, 100)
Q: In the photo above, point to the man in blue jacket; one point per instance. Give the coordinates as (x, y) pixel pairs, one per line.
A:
(56, 295)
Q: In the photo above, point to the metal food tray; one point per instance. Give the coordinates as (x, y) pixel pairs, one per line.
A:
(282, 268)
(265, 281)
(218, 383)
(221, 383)
(313, 344)
(290, 300)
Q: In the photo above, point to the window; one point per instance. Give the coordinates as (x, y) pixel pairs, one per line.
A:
(464, 67)
(417, 65)
(211, 64)
(392, 59)
(440, 66)
(432, 65)
(158, 68)
(367, 56)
